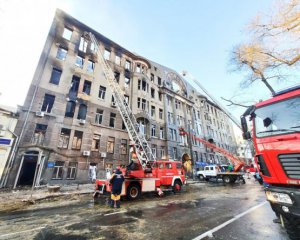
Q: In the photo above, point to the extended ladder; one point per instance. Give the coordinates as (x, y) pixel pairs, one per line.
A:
(143, 150)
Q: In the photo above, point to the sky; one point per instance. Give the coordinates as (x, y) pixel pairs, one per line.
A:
(192, 35)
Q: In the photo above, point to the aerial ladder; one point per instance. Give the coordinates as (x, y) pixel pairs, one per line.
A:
(141, 146)
(238, 164)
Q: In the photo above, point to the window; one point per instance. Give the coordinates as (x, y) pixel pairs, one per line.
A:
(102, 91)
(159, 81)
(110, 145)
(83, 44)
(161, 113)
(117, 76)
(90, 66)
(70, 109)
(126, 99)
(75, 84)
(175, 152)
(96, 142)
(106, 54)
(138, 68)
(152, 93)
(127, 81)
(55, 76)
(87, 87)
(142, 103)
(99, 116)
(153, 130)
(39, 134)
(82, 112)
(58, 170)
(162, 152)
(48, 103)
(161, 132)
(168, 165)
(77, 140)
(118, 60)
(112, 120)
(123, 146)
(72, 169)
(64, 137)
(79, 61)
(153, 149)
(152, 111)
(152, 77)
(127, 65)
(67, 34)
(61, 53)
(160, 96)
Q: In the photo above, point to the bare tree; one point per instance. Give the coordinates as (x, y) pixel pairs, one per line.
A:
(273, 46)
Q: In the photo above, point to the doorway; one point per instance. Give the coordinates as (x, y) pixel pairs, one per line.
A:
(28, 169)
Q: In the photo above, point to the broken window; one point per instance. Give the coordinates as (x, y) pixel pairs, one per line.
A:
(72, 169)
(75, 84)
(159, 81)
(96, 142)
(79, 61)
(82, 112)
(102, 91)
(87, 87)
(152, 111)
(70, 109)
(99, 116)
(123, 126)
(118, 60)
(152, 77)
(77, 140)
(55, 76)
(106, 54)
(123, 146)
(138, 68)
(127, 65)
(153, 130)
(117, 76)
(48, 103)
(64, 137)
(152, 93)
(161, 113)
(160, 96)
(90, 66)
(67, 34)
(112, 120)
(61, 53)
(83, 44)
(110, 145)
(142, 103)
(127, 81)
(39, 134)
(58, 170)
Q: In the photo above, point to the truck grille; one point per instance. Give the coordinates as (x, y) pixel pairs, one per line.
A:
(290, 164)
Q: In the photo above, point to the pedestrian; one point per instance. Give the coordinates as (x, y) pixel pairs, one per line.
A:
(116, 181)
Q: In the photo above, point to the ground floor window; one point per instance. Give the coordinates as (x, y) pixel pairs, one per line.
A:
(72, 169)
(58, 170)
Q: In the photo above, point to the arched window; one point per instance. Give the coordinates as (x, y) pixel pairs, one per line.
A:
(70, 109)
(82, 111)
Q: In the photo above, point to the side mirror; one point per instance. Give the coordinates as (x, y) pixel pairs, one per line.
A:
(246, 135)
(244, 124)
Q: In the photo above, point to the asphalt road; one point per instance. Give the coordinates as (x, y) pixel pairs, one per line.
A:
(202, 211)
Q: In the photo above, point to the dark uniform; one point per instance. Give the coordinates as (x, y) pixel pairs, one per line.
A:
(116, 181)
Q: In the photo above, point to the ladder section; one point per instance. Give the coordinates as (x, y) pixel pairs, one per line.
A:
(143, 150)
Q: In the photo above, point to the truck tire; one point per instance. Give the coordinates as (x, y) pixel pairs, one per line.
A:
(201, 177)
(227, 179)
(292, 225)
(177, 186)
(133, 191)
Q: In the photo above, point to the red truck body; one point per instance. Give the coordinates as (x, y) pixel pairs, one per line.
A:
(276, 139)
(161, 175)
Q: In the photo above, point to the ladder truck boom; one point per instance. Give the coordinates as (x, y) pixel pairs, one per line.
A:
(143, 150)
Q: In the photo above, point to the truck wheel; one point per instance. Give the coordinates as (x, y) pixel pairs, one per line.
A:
(201, 177)
(292, 225)
(227, 179)
(177, 186)
(133, 191)
(233, 179)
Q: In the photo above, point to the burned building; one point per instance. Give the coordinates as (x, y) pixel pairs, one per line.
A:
(69, 120)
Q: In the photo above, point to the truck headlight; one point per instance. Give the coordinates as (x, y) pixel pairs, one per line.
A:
(278, 197)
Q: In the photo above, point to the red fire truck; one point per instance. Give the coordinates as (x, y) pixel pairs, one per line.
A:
(276, 138)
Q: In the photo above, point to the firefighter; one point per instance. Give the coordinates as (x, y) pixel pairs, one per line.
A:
(116, 181)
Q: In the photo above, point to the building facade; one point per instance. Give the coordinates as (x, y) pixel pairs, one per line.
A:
(69, 120)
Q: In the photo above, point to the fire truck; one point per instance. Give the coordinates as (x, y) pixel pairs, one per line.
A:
(276, 137)
(145, 173)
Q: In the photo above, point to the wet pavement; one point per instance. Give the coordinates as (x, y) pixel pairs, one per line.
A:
(199, 212)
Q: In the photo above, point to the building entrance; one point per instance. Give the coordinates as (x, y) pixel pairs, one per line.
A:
(28, 168)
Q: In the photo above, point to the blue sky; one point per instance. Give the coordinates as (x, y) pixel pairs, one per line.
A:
(192, 35)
